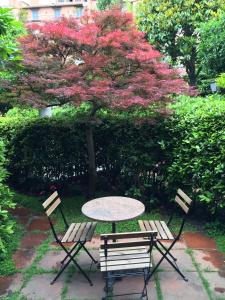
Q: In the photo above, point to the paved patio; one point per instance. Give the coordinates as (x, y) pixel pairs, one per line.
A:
(38, 258)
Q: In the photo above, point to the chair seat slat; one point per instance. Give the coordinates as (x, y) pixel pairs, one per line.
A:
(152, 224)
(73, 232)
(141, 225)
(160, 230)
(68, 232)
(85, 231)
(79, 232)
(167, 231)
(91, 231)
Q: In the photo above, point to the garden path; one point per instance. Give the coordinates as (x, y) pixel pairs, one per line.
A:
(37, 259)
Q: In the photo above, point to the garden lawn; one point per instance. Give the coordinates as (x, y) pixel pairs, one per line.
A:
(72, 209)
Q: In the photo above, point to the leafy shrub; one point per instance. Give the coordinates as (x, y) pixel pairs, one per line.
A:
(198, 154)
(53, 150)
(211, 50)
(6, 223)
(220, 81)
(137, 153)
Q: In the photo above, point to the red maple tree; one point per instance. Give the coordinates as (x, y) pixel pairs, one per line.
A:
(102, 59)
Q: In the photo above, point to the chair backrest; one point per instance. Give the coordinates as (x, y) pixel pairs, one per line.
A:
(51, 203)
(183, 201)
(129, 236)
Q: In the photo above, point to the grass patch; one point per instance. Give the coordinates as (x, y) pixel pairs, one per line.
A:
(15, 296)
(158, 286)
(64, 292)
(72, 209)
(33, 269)
(216, 230)
(203, 279)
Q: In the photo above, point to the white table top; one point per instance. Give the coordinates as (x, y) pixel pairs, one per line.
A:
(113, 209)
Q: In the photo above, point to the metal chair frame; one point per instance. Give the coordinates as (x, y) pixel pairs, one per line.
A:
(184, 202)
(111, 276)
(76, 247)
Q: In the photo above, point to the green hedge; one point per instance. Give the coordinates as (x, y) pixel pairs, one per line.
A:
(48, 151)
(136, 154)
(198, 154)
(6, 223)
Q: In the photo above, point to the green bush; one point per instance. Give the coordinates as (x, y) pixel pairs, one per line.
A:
(6, 223)
(137, 154)
(211, 50)
(198, 154)
(48, 151)
(220, 81)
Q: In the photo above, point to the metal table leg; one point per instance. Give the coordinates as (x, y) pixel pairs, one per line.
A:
(114, 229)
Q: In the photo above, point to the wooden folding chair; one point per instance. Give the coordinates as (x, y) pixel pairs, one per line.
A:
(165, 234)
(76, 233)
(126, 258)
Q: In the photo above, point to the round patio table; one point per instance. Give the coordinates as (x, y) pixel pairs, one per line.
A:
(113, 209)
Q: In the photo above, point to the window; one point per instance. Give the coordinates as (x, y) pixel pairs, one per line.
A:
(79, 11)
(57, 11)
(34, 14)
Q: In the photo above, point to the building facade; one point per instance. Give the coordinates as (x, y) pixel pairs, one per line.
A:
(46, 10)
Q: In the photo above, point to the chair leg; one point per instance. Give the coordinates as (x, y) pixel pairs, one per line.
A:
(64, 266)
(76, 264)
(92, 258)
(164, 256)
(164, 247)
(74, 261)
(144, 291)
(65, 258)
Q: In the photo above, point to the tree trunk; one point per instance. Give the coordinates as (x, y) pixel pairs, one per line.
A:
(91, 161)
(191, 68)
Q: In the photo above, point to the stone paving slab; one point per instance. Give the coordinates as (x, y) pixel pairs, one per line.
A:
(23, 258)
(80, 289)
(184, 261)
(52, 260)
(39, 223)
(210, 260)
(25, 255)
(134, 285)
(196, 240)
(10, 284)
(217, 283)
(174, 287)
(39, 288)
(85, 262)
(178, 245)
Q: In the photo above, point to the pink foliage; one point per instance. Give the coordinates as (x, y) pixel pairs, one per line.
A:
(103, 59)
